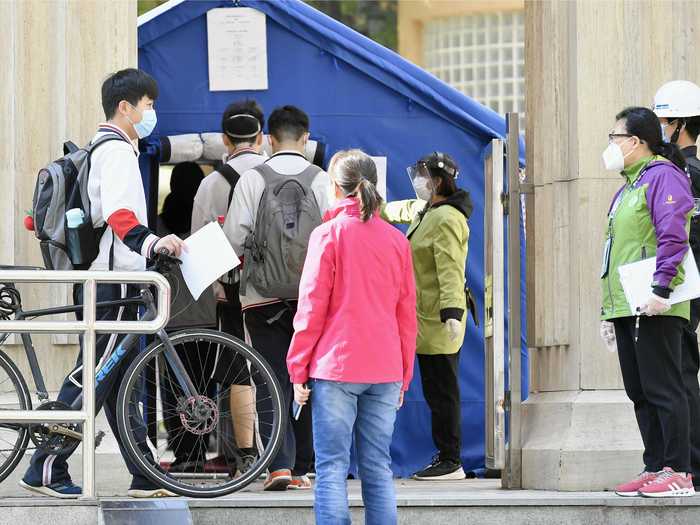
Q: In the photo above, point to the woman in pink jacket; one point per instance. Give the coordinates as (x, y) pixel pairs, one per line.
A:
(354, 341)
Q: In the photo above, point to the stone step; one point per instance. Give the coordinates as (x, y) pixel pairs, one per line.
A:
(466, 502)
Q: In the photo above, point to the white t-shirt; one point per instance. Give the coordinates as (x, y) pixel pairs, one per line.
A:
(115, 183)
(240, 220)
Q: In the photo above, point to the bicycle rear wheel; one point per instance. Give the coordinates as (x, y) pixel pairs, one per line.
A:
(14, 395)
(170, 436)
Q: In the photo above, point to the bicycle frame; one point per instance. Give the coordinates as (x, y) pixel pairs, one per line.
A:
(146, 300)
(89, 326)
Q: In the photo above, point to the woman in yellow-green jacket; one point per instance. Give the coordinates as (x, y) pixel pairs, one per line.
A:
(438, 235)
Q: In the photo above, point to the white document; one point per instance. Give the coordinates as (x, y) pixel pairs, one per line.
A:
(636, 279)
(380, 162)
(237, 46)
(209, 255)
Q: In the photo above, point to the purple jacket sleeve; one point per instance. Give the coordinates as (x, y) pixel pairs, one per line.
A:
(669, 201)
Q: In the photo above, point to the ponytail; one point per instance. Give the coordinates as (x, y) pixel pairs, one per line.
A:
(369, 198)
(356, 174)
(671, 152)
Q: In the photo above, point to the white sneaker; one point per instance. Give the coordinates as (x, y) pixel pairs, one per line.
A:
(150, 493)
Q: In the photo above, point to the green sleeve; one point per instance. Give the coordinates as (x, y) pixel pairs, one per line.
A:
(402, 212)
(450, 252)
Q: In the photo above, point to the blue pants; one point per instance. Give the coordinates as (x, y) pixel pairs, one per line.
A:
(367, 411)
(47, 469)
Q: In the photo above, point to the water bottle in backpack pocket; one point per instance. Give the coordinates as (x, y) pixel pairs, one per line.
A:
(81, 242)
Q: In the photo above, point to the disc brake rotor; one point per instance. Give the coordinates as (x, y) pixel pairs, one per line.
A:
(198, 414)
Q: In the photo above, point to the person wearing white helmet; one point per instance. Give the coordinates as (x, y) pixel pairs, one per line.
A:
(677, 104)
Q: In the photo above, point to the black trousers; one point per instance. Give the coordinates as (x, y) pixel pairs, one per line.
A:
(46, 469)
(691, 367)
(229, 313)
(652, 373)
(270, 330)
(440, 379)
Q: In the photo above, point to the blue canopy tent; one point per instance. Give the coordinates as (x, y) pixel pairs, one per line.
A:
(357, 94)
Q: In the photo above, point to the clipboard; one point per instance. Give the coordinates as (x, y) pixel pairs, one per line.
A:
(636, 279)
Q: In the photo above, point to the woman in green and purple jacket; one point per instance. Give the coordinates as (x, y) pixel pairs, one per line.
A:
(650, 217)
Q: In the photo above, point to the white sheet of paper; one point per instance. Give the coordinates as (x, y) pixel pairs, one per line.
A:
(380, 162)
(636, 279)
(237, 48)
(209, 255)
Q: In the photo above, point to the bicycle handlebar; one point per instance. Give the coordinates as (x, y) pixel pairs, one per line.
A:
(163, 262)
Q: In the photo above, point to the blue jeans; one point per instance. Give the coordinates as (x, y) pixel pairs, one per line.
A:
(368, 410)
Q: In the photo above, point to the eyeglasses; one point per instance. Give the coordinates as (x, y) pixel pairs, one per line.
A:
(611, 136)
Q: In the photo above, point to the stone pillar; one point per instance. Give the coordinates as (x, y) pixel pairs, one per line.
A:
(54, 56)
(585, 61)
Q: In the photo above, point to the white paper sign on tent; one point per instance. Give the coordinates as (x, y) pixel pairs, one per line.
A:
(636, 279)
(380, 162)
(237, 49)
(209, 255)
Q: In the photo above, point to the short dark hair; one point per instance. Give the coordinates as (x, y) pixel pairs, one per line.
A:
(232, 126)
(128, 84)
(644, 124)
(692, 126)
(288, 123)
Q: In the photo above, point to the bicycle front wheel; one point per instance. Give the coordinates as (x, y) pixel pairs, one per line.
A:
(206, 443)
(14, 395)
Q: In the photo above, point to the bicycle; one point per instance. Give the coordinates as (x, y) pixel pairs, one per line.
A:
(156, 391)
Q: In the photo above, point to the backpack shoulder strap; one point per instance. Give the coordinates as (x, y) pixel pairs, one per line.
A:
(310, 172)
(229, 173)
(101, 230)
(103, 140)
(270, 176)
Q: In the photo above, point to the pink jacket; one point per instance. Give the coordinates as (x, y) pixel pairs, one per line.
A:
(356, 317)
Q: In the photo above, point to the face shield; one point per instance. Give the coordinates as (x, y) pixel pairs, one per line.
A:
(418, 170)
(421, 180)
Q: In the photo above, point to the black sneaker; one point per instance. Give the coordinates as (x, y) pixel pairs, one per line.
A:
(441, 470)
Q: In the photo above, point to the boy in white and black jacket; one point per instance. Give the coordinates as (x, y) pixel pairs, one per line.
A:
(117, 198)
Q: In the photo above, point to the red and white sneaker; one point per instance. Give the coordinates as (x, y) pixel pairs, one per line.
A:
(631, 488)
(669, 484)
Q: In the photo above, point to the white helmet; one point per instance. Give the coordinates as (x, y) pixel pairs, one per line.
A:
(677, 99)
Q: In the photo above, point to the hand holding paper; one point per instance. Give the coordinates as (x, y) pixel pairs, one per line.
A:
(636, 279)
(209, 255)
(655, 306)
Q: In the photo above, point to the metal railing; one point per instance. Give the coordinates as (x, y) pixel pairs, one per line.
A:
(89, 327)
(494, 301)
(512, 476)
(503, 191)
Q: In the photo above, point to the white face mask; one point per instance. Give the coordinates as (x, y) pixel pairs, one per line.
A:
(423, 188)
(613, 158)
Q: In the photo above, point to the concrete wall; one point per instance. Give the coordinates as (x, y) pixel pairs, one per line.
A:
(413, 14)
(585, 61)
(54, 56)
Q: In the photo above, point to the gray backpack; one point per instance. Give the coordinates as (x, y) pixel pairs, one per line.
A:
(275, 251)
(60, 186)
